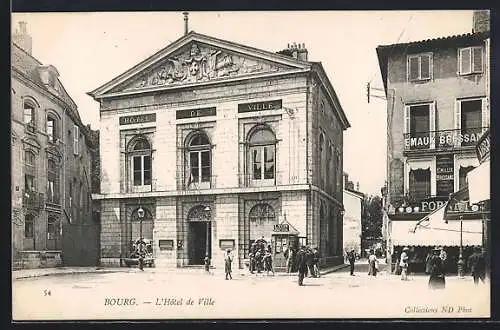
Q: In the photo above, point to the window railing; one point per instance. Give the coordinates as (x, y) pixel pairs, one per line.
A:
(33, 199)
(443, 139)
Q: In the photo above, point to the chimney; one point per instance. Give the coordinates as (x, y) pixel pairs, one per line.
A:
(350, 185)
(357, 186)
(302, 53)
(480, 21)
(186, 28)
(22, 39)
(346, 180)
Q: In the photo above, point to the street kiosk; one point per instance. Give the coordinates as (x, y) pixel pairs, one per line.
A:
(284, 237)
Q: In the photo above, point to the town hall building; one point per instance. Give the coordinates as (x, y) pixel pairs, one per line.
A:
(210, 145)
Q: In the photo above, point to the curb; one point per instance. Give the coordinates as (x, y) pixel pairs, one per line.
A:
(68, 273)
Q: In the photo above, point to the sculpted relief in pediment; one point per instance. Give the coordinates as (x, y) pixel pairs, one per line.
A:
(199, 64)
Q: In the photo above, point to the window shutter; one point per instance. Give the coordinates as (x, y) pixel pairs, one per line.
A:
(407, 119)
(485, 116)
(465, 60)
(432, 123)
(458, 122)
(76, 136)
(477, 57)
(413, 68)
(425, 66)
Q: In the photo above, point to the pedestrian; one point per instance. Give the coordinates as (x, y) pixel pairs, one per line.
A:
(290, 255)
(268, 262)
(258, 261)
(437, 277)
(477, 264)
(207, 263)
(302, 264)
(141, 251)
(372, 264)
(351, 256)
(309, 261)
(253, 250)
(403, 263)
(316, 262)
(228, 259)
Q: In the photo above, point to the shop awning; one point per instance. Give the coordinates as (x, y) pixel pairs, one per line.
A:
(433, 230)
(479, 183)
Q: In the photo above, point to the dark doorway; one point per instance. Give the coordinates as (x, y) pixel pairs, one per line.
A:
(200, 241)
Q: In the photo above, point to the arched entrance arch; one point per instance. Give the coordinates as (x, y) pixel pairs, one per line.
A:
(200, 234)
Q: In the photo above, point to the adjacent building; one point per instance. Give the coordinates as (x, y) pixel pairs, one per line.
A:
(209, 144)
(438, 107)
(50, 162)
(353, 213)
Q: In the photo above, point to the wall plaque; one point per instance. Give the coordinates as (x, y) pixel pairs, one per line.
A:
(483, 146)
(444, 175)
(193, 113)
(166, 244)
(138, 119)
(259, 106)
(225, 244)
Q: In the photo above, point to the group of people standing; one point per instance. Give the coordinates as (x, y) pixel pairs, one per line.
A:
(307, 262)
(261, 258)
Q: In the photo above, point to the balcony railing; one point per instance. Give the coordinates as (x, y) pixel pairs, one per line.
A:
(33, 199)
(443, 139)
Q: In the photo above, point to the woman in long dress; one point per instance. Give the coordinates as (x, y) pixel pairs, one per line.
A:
(372, 264)
(436, 279)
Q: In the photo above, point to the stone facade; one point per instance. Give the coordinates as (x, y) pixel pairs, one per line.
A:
(244, 96)
(44, 165)
(353, 205)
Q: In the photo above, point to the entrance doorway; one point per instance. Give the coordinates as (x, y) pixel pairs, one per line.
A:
(200, 242)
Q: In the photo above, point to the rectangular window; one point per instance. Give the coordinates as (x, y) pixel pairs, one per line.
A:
(51, 228)
(462, 176)
(28, 227)
(470, 121)
(194, 161)
(419, 126)
(76, 137)
(419, 67)
(420, 183)
(29, 112)
(470, 60)
(29, 182)
(141, 170)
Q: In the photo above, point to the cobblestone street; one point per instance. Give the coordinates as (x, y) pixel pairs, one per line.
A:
(162, 294)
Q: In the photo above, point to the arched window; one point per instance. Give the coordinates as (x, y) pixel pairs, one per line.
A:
(199, 213)
(52, 128)
(29, 115)
(261, 214)
(52, 182)
(140, 157)
(262, 147)
(29, 171)
(29, 225)
(199, 165)
(262, 219)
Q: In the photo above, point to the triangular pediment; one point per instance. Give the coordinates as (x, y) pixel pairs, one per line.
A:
(196, 59)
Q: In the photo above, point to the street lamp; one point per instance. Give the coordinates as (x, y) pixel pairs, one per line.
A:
(460, 265)
(206, 212)
(140, 214)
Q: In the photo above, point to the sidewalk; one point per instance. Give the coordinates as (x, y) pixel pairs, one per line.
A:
(39, 272)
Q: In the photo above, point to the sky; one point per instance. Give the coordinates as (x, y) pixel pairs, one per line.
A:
(90, 49)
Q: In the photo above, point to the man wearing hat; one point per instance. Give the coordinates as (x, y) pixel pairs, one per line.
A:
(228, 259)
(404, 264)
(302, 264)
(436, 279)
(477, 265)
